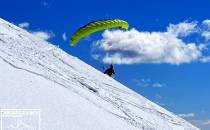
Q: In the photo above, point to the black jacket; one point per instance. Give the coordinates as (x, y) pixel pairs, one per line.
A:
(109, 71)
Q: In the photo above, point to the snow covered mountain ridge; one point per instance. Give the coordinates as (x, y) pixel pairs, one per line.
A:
(71, 94)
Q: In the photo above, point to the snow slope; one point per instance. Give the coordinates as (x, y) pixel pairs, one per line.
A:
(71, 94)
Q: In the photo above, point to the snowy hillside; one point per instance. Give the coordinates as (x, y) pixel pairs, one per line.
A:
(71, 94)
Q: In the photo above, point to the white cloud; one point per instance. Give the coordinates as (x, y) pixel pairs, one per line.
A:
(95, 56)
(205, 29)
(24, 25)
(206, 23)
(203, 124)
(148, 83)
(207, 122)
(158, 96)
(187, 115)
(206, 35)
(158, 85)
(182, 29)
(64, 36)
(142, 82)
(128, 47)
(205, 59)
(136, 47)
(43, 35)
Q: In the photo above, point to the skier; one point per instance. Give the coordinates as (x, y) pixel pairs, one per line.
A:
(110, 71)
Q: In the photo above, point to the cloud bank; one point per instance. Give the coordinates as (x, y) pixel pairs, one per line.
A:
(148, 83)
(64, 36)
(133, 46)
(24, 25)
(45, 35)
(187, 115)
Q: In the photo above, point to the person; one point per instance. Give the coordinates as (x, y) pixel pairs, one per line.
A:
(110, 71)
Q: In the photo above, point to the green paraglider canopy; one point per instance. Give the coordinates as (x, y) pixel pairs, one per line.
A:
(96, 26)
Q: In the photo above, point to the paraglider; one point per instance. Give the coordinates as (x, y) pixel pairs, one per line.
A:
(97, 26)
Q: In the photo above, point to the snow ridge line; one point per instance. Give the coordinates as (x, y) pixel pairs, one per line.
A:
(128, 120)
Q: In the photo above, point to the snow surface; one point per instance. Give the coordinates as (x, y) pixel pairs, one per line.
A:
(71, 94)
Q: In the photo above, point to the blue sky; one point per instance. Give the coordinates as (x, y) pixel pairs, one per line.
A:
(180, 85)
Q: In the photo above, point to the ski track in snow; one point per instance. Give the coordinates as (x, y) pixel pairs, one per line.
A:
(26, 52)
